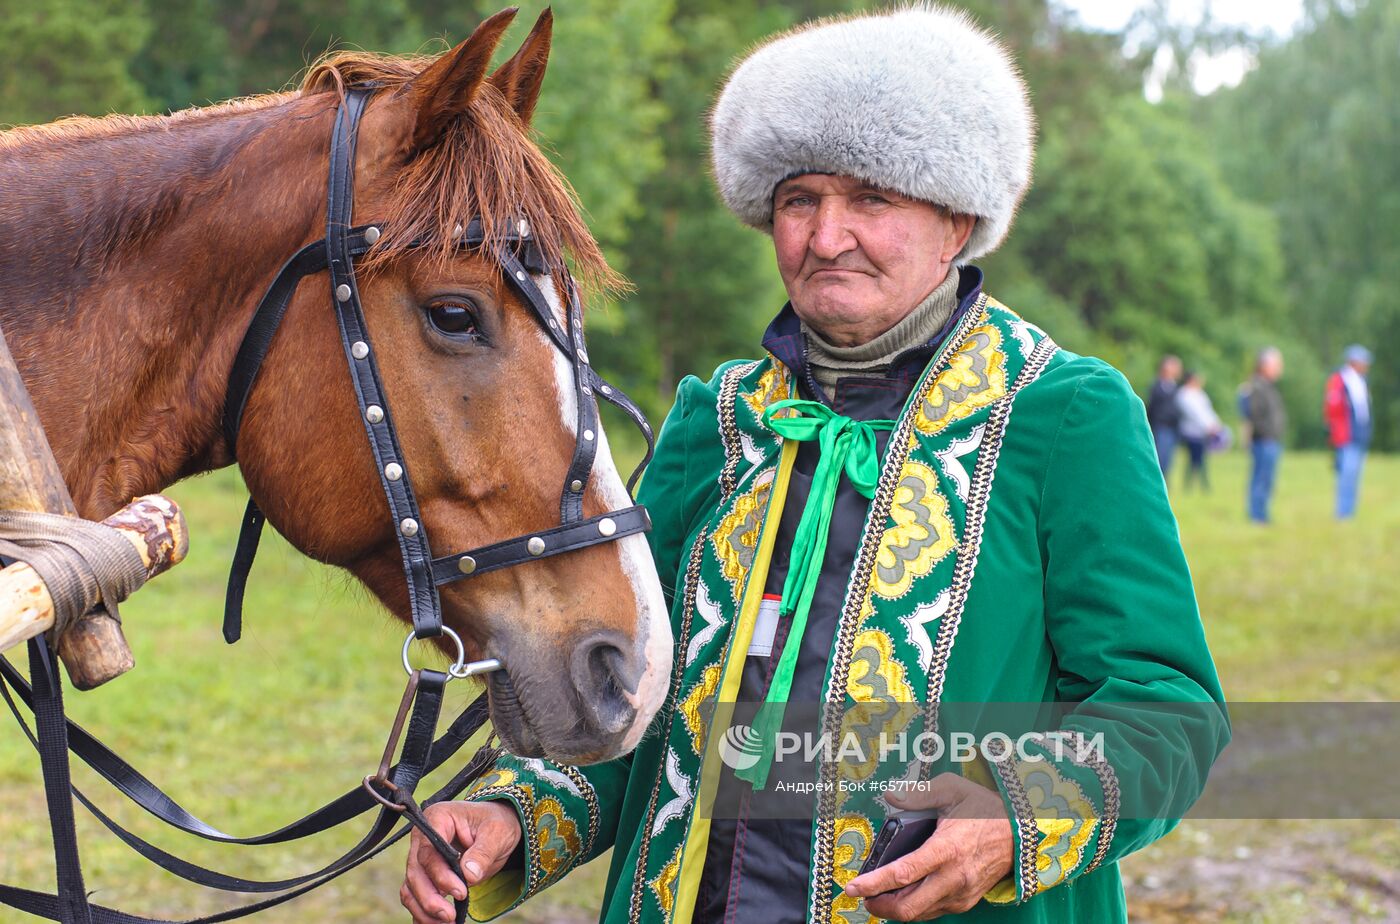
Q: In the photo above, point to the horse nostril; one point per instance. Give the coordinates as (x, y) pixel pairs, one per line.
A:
(604, 675)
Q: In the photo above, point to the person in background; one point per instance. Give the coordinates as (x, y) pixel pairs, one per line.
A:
(1199, 423)
(1163, 416)
(1347, 408)
(1261, 405)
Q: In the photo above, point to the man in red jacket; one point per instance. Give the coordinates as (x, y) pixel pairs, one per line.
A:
(1348, 411)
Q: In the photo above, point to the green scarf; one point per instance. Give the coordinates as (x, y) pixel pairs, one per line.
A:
(846, 445)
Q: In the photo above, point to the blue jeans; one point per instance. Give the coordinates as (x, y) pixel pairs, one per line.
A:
(1165, 440)
(1349, 459)
(1266, 454)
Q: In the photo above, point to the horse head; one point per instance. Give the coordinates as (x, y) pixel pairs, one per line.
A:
(202, 208)
(484, 404)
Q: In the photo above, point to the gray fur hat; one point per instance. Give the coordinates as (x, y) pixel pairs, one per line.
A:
(917, 99)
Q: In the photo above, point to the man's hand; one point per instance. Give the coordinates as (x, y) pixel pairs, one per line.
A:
(968, 854)
(486, 832)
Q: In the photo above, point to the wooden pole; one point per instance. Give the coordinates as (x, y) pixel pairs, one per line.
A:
(152, 524)
(93, 649)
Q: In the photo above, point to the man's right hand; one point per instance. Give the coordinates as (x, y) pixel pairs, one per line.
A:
(486, 832)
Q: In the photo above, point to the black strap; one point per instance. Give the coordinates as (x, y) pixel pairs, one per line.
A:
(139, 789)
(47, 905)
(70, 903)
(424, 606)
(243, 554)
(556, 541)
(267, 319)
(52, 741)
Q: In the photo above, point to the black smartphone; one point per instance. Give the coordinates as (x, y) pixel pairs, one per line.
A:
(900, 835)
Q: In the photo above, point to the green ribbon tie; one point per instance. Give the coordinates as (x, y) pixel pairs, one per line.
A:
(846, 446)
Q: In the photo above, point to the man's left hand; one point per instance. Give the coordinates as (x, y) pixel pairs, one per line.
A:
(968, 853)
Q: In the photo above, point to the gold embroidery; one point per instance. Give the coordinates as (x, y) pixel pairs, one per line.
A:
(736, 537)
(853, 839)
(1064, 817)
(556, 837)
(664, 885)
(884, 704)
(693, 706)
(921, 537)
(772, 387)
(496, 779)
(975, 377)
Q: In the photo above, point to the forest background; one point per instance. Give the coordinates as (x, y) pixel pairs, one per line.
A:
(1202, 225)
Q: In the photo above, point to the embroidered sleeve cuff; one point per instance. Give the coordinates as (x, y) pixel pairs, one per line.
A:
(1063, 806)
(559, 823)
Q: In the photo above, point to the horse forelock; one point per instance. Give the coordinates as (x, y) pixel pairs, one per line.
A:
(484, 167)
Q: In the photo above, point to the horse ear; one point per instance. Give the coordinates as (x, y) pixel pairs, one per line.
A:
(519, 79)
(441, 94)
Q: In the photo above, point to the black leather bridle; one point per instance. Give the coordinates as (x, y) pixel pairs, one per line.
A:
(519, 257)
(391, 789)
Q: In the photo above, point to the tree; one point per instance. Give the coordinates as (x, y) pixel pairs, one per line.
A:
(69, 57)
(1314, 133)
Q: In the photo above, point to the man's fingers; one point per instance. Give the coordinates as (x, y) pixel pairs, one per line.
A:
(422, 893)
(924, 899)
(909, 868)
(481, 861)
(444, 878)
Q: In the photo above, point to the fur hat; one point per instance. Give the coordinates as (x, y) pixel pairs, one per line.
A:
(918, 100)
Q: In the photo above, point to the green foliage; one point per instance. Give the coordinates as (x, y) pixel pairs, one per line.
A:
(68, 57)
(1314, 133)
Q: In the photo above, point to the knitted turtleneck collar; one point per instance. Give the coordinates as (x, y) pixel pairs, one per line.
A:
(829, 362)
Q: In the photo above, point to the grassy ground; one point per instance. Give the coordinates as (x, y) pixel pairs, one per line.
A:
(254, 735)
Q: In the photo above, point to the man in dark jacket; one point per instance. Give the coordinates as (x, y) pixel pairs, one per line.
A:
(1262, 406)
(1163, 415)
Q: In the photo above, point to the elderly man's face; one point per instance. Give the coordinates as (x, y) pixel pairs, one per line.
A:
(856, 259)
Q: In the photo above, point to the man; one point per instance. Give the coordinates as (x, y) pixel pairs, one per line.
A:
(1262, 406)
(1347, 408)
(1163, 414)
(859, 521)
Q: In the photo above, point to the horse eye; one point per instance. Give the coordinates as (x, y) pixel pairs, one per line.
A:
(453, 318)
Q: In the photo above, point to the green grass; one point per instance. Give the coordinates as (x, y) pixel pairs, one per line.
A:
(253, 735)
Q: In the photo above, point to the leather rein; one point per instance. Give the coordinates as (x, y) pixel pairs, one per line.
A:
(391, 789)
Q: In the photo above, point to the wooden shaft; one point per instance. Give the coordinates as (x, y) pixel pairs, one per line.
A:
(93, 649)
(153, 525)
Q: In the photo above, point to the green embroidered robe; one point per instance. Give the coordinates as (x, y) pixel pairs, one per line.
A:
(1019, 548)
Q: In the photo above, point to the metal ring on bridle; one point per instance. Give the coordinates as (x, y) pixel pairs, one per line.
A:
(457, 665)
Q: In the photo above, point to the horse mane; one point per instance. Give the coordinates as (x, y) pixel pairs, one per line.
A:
(485, 166)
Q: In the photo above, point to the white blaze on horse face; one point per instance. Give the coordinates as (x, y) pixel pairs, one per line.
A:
(653, 621)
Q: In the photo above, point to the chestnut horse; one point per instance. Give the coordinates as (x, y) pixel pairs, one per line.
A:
(136, 249)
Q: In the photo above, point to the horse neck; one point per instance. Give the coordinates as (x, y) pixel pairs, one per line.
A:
(130, 263)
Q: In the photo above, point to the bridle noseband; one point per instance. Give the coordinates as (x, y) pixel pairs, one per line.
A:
(520, 258)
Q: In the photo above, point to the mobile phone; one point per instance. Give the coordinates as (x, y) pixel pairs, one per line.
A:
(900, 835)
